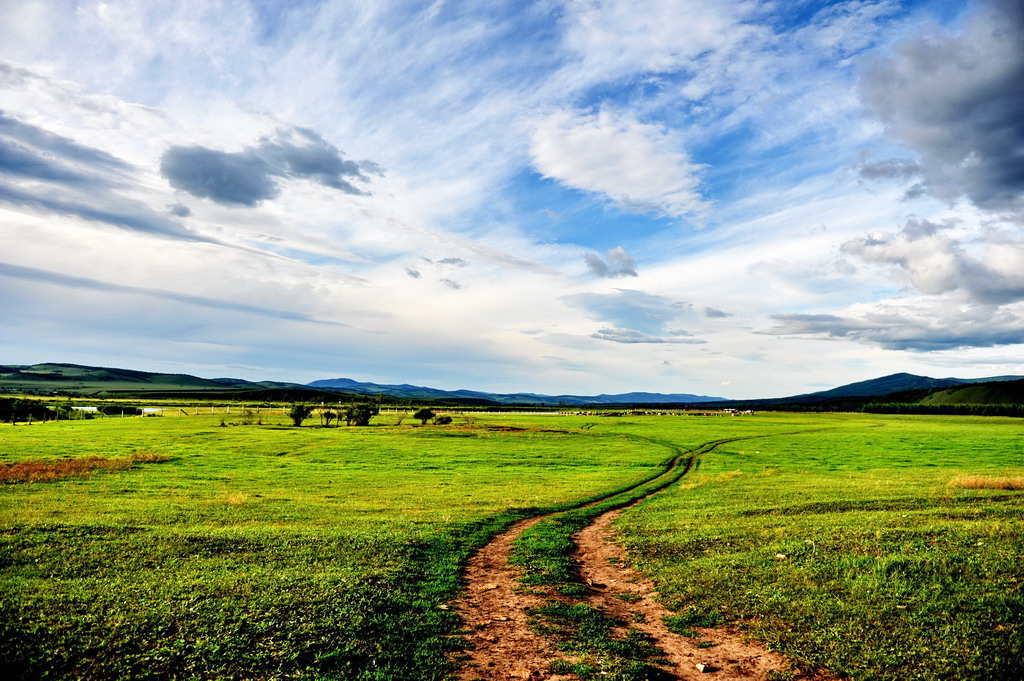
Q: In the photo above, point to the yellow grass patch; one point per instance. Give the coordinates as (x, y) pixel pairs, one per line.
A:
(235, 499)
(987, 482)
(700, 479)
(50, 470)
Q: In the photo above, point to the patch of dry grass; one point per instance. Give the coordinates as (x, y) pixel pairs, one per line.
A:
(235, 499)
(51, 470)
(987, 482)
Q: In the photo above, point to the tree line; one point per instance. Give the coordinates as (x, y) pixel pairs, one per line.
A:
(358, 414)
(945, 409)
(23, 410)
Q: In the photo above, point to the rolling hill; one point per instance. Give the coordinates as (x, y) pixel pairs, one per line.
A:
(996, 392)
(79, 379)
(75, 377)
(413, 392)
(899, 383)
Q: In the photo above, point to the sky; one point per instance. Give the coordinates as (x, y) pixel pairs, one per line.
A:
(733, 198)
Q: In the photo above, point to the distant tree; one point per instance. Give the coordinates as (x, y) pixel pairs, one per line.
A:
(362, 413)
(443, 420)
(326, 416)
(13, 410)
(424, 415)
(299, 413)
(358, 414)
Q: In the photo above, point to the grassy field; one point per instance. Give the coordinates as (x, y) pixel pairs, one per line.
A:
(849, 548)
(268, 551)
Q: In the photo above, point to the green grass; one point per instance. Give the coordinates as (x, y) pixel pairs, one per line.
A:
(264, 552)
(543, 554)
(848, 549)
(586, 633)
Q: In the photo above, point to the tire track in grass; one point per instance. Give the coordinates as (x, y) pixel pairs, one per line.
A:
(494, 606)
(565, 581)
(691, 644)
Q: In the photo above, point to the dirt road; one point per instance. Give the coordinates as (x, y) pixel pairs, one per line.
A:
(503, 647)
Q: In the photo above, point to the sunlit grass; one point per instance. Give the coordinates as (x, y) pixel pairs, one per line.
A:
(267, 551)
(848, 549)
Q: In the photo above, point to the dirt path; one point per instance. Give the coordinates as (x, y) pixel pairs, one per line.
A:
(504, 648)
(493, 610)
(603, 567)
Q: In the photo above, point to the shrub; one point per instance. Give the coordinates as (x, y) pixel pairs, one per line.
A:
(299, 413)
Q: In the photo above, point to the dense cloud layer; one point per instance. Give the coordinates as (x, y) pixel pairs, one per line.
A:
(44, 142)
(28, 152)
(50, 173)
(964, 290)
(247, 177)
(957, 101)
(922, 326)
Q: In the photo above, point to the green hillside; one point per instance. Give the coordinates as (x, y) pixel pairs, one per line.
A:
(128, 383)
(83, 379)
(1001, 392)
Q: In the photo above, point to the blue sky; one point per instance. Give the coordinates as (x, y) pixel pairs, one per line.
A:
(722, 197)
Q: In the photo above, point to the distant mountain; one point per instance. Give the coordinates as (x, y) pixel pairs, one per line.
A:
(85, 380)
(902, 387)
(901, 382)
(413, 392)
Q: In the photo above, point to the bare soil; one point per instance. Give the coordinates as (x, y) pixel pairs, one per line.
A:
(493, 610)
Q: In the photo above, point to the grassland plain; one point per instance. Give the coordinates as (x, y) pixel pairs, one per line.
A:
(270, 551)
(278, 552)
(849, 549)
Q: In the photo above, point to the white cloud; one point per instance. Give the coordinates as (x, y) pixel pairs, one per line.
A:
(619, 99)
(640, 166)
(622, 37)
(632, 336)
(935, 262)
